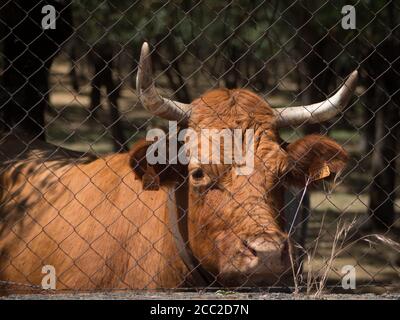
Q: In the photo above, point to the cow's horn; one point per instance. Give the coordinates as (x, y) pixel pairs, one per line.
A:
(318, 112)
(148, 95)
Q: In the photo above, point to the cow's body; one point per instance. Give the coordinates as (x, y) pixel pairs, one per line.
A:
(86, 216)
(105, 222)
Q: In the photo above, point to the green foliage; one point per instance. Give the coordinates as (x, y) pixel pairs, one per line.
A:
(246, 33)
(238, 23)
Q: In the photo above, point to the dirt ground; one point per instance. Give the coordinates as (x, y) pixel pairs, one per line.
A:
(130, 295)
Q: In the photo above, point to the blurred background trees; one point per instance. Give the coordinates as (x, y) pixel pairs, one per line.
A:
(27, 55)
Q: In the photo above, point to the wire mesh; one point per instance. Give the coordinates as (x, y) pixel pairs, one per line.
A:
(79, 200)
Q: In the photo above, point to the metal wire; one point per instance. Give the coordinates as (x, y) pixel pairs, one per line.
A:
(74, 87)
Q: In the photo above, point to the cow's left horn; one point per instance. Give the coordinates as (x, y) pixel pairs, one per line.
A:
(148, 95)
(318, 112)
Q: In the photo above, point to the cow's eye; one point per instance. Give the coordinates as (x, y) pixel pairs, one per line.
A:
(200, 181)
(197, 174)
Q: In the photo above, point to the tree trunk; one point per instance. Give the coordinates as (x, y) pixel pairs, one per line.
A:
(117, 128)
(368, 129)
(385, 69)
(316, 74)
(382, 195)
(73, 74)
(28, 52)
(102, 57)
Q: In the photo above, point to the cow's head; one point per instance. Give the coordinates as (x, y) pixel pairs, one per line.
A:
(236, 221)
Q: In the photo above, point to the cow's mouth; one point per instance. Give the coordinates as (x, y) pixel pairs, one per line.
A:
(258, 263)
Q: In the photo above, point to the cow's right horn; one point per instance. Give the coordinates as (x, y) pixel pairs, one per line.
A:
(148, 95)
(318, 112)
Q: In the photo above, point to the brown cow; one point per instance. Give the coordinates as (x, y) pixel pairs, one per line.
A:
(107, 222)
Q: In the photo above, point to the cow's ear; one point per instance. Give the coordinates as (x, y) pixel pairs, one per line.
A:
(153, 175)
(314, 158)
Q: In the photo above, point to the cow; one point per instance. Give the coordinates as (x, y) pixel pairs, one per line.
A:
(118, 221)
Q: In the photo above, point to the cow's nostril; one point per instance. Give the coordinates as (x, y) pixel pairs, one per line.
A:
(198, 173)
(249, 248)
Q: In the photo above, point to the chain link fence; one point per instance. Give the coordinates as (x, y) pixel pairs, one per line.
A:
(82, 209)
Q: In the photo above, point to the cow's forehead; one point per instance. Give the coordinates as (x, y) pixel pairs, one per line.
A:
(224, 108)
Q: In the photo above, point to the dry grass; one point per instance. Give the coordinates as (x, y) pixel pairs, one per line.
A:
(317, 275)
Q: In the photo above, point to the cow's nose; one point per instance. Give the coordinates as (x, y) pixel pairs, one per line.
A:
(262, 259)
(267, 247)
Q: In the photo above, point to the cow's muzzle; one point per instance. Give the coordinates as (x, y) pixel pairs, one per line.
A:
(259, 260)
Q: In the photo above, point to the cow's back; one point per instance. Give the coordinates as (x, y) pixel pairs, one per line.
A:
(86, 216)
